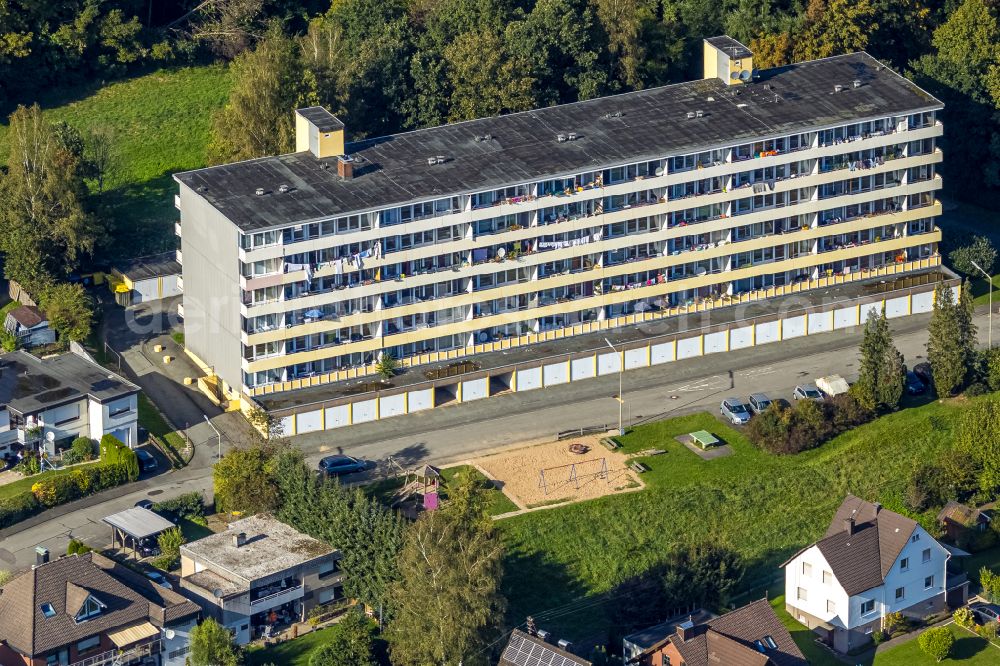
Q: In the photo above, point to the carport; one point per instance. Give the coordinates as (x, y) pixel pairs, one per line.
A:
(132, 526)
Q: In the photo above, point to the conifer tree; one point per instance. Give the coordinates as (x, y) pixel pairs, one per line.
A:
(880, 381)
(946, 348)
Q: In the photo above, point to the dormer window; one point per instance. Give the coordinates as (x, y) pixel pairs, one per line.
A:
(91, 608)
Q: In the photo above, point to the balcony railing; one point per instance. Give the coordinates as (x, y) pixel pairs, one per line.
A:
(274, 595)
(122, 657)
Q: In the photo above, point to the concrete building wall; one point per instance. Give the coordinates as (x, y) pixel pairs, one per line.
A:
(210, 249)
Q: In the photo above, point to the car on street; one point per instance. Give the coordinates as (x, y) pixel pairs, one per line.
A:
(914, 385)
(147, 461)
(144, 504)
(159, 579)
(734, 410)
(758, 402)
(807, 392)
(985, 612)
(340, 464)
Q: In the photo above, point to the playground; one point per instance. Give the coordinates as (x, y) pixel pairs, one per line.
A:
(561, 471)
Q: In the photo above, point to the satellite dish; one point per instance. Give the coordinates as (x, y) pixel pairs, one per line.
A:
(169, 633)
(217, 592)
(744, 75)
(502, 252)
(735, 76)
(700, 272)
(50, 436)
(659, 171)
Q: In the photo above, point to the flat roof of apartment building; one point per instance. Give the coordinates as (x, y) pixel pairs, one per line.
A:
(522, 147)
(29, 384)
(270, 547)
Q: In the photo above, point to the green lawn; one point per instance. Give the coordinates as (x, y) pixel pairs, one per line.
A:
(289, 653)
(981, 292)
(968, 649)
(24, 484)
(161, 121)
(151, 419)
(803, 637)
(762, 506)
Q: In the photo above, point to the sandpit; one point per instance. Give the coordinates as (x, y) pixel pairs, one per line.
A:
(599, 472)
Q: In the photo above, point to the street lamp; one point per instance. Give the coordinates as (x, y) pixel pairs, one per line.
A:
(621, 397)
(990, 281)
(217, 433)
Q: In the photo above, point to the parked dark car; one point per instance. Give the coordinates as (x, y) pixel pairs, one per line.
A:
(985, 612)
(914, 386)
(923, 373)
(339, 465)
(148, 547)
(144, 504)
(147, 461)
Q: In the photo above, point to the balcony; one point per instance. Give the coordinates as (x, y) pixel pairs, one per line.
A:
(122, 657)
(277, 598)
(177, 229)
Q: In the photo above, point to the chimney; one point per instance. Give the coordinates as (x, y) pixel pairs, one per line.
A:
(849, 525)
(239, 540)
(345, 167)
(319, 132)
(727, 60)
(685, 630)
(41, 555)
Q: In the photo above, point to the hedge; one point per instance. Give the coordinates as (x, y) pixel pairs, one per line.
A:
(56, 490)
(114, 451)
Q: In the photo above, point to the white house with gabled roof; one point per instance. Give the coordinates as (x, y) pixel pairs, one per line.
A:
(871, 562)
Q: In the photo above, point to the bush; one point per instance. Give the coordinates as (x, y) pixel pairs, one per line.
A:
(964, 618)
(29, 465)
(937, 642)
(976, 389)
(113, 451)
(55, 490)
(82, 448)
(988, 630)
(17, 508)
(170, 543)
(77, 548)
(806, 425)
(189, 505)
(990, 582)
(893, 622)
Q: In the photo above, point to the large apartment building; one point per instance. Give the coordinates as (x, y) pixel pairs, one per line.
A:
(307, 266)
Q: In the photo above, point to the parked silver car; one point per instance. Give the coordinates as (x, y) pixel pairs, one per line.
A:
(807, 392)
(758, 402)
(734, 410)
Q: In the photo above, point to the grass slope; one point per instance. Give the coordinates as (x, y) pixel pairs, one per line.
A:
(161, 121)
(762, 506)
(289, 653)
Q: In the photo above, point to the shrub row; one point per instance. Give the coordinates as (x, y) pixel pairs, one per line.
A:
(118, 465)
(806, 425)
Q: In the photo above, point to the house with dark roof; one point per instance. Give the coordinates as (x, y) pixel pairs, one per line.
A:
(46, 403)
(748, 636)
(962, 522)
(871, 562)
(29, 325)
(88, 610)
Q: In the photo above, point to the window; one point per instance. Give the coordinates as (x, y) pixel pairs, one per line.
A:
(831, 606)
(904, 564)
(900, 593)
(926, 555)
(807, 569)
(119, 408)
(88, 644)
(65, 414)
(915, 538)
(801, 594)
(52, 660)
(867, 606)
(928, 582)
(827, 578)
(48, 610)
(91, 608)
(869, 629)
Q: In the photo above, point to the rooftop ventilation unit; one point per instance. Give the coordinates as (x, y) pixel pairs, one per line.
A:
(561, 138)
(282, 188)
(259, 192)
(438, 159)
(699, 114)
(837, 88)
(202, 188)
(742, 105)
(431, 161)
(544, 635)
(857, 83)
(690, 115)
(564, 644)
(572, 136)
(709, 99)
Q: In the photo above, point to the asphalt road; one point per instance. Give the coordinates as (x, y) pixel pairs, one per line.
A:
(458, 432)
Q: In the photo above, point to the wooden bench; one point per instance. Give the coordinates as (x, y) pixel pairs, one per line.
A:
(638, 467)
(610, 444)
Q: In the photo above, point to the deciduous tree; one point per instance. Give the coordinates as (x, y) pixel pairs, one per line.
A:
(350, 643)
(448, 603)
(69, 310)
(244, 479)
(937, 642)
(486, 78)
(212, 645)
